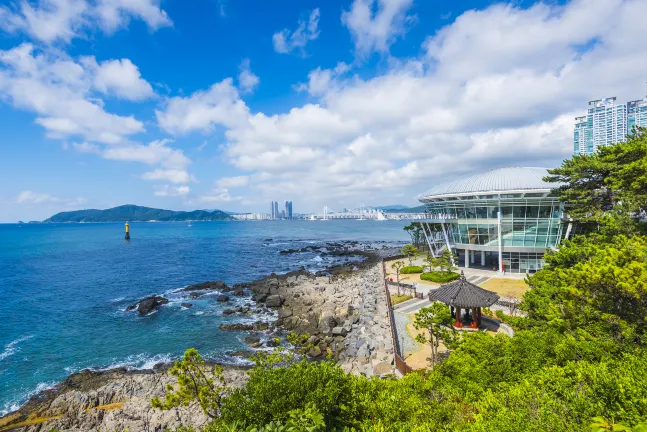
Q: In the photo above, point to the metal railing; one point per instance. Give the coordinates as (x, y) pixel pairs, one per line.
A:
(399, 362)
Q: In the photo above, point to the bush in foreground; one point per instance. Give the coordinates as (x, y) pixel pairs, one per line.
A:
(439, 276)
(411, 269)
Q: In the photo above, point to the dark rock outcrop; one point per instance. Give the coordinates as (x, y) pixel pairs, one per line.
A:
(222, 298)
(253, 341)
(202, 286)
(148, 304)
(186, 305)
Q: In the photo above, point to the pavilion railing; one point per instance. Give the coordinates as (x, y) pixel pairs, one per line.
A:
(399, 362)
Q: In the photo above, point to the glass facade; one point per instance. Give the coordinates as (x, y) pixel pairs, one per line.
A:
(527, 221)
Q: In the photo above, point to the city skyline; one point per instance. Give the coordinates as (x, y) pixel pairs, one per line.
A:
(221, 104)
(607, 122)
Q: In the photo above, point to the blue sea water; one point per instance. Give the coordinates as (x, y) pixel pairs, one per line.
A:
(64, 288)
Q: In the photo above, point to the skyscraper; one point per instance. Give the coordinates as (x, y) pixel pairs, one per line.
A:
(276, 210)
(288, 209)
(607, 122)
(272, 210)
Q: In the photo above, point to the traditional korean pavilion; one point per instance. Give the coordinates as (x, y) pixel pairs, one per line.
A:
(462, 295)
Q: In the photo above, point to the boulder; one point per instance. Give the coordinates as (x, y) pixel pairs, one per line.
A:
(222, 298)
(315, 351)
(285, 312)
(236, 326)
(239, 292)
(217, 285)
(339, 331)
(253, 341)
(274, 301)
(186, 305)
(228, 312)
(147, 305)
(242, 353)
(382, 368)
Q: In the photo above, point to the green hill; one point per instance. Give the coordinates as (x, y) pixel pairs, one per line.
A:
(135, 213)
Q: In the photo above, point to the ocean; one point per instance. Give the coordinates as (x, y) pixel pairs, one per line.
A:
(64, 288)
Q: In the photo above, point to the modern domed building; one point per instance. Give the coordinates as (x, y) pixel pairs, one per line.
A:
(503, 219)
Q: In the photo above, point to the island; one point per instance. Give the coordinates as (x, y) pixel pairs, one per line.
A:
(134, 213)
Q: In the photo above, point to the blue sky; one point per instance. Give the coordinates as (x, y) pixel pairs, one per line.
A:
(231, 104)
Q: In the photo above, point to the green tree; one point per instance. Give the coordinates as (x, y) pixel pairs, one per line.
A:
(437, 321)
(397, 266)
(446, 261)
(612, 180)
(410, 252)
(196, 382)
(430, 261)
(415, 231)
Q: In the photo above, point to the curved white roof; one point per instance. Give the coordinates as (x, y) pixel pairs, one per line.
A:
(493, 181)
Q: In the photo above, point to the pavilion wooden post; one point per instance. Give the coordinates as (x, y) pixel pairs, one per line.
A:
(474, 318)
(458, 322)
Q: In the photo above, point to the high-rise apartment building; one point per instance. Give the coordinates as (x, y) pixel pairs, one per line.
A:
(277, 215)
(272, 212)
(288, 209)
(607, 122)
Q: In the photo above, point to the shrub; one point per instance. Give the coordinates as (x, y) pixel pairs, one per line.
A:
(411, 269)
(440, 277)
(396, 299)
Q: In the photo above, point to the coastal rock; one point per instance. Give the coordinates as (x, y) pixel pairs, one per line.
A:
(253, 341)
(222, 298)
(202, 286)
(315, 351)
(148, 304)
(228, 312)
(285, 313)
(383, 368)
(339, 331)
(236, 326)
(274, 301)
(239, 292)
(186, 305)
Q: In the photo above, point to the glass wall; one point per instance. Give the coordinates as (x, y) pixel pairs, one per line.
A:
(526, 222)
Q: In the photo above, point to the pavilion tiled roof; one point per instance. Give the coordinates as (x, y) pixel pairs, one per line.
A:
(464, 294)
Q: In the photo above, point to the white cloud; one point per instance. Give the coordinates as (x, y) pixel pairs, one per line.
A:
(232, 182)
(172, 191)
(477, 98)
(58, 90)
(170, 175)
(286, 41)
(203, 110)
(52, 21)
(247, 81)
(122, 78)
(28, 197)
(218, 195)
(375, 24)
(86, 147)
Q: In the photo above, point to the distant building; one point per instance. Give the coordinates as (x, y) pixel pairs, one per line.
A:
(607, 122)
(272, 213)
(276, 210)
(288, 209)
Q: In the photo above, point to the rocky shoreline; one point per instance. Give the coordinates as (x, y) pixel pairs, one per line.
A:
(343, 309)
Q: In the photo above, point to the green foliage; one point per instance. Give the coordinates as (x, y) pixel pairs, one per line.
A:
(196, 382)
(439, 277)
(437, 321)
(411, 269)
(272, 393)
(415, 231)
(131, 213)
(397, 299)
(410, 252)
(446, 262)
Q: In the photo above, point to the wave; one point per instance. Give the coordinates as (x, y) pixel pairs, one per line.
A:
(137, 362)
(15, 404)
(11, 349)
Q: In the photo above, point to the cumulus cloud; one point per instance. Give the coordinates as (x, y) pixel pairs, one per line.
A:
(232, 182)
(217, 195)
(247, 81)
(478, 97)
(375, 24)
(287, 41)
(169, 175)
(58, 90)
(29, 197)
(203, 110)
(52, 21)
(172, 191)
(121, 78)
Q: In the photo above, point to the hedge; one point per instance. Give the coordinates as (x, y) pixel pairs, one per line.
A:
(411, 269)
(437, 276)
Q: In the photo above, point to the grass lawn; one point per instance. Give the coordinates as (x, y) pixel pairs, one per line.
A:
(397, 299)
(514, 288)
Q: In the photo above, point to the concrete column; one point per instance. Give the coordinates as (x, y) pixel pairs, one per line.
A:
(467, 258)
(472, 254)
(483, 258)
(500, 270)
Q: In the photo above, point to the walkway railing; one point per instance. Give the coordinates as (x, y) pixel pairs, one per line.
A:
(400, 364)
